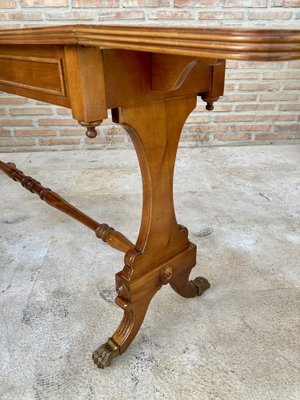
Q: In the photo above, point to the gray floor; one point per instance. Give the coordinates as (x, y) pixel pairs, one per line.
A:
(239, 341)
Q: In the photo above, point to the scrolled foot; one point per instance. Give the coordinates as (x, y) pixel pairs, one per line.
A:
(202, 285)
(105, 353)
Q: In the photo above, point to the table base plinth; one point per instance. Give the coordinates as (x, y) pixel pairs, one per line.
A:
(175, 271)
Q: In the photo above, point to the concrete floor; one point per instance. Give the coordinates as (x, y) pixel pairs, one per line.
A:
(239, 341)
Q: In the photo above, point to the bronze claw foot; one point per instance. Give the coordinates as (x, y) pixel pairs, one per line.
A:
(202, 285)
(105, 353)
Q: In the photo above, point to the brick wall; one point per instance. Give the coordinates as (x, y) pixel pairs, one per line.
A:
(261, 102)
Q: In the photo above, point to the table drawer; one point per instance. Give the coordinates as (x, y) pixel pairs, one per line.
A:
(39, 74)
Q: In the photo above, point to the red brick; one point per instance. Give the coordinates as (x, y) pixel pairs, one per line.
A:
(234, 118)
(292, 86)
(113, 130)
(58, 141)
(273, 136)
(289, 107)
(145, 3)
(30, 111)
(231, 64)
(256, 65)
(112, 139)
(256, 87)
(196, 3)
(282, 75)
(171, 15)
(287, 128)
(250, 128)
(234, 75)
(109, 140)
(239, 97)
(5, 132)
(58, 122)
(16, 122)
(35, 132)
(44, 3)
(20, 16)
(286, 3)
(254, 107)
(208, 128)
(221, 15)
(80, 131)
(236, 136)
(70, 15)
(198, 119)
(221, 107)
(12, 26)
(120, 15)
(7, 4)
(201, 137)
(277, 117)
(13, 100)
(229, 87)
(16, 142)
(245, 3)
(39, 103)
(96, 3)
(276, 96)
(261, 15)
(64, 111)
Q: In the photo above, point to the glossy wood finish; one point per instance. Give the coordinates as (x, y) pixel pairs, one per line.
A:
(37, 72)
(150, 78)
(233, 43)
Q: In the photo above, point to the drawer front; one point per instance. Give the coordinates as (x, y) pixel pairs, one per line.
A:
(42, 75)
(34, 72)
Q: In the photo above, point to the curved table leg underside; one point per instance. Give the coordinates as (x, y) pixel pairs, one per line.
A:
(132, 320)
(189, 288)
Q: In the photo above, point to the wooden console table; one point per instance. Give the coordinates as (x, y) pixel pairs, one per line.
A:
(150, 78)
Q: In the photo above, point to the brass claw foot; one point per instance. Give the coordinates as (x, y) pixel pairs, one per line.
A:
(105, 353)
(202, 285)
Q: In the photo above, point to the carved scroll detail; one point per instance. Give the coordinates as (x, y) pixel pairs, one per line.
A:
(114, 238)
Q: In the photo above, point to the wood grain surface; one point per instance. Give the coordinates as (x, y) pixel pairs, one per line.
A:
(242, 44)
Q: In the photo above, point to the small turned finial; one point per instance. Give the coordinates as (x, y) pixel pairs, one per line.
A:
(209, 105)
(209, 101)
(91, 131)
